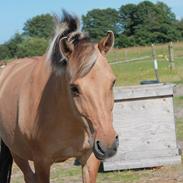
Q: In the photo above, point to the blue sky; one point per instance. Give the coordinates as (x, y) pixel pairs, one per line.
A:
(14, 13)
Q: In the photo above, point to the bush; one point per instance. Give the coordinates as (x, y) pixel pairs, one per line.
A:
(13, 43)
(39, 26)
(32, 46)
(123, 41)
(4, 52)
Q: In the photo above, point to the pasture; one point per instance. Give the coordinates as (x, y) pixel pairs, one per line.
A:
(131, 74)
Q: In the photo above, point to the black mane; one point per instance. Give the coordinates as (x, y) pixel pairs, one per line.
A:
(67, 25)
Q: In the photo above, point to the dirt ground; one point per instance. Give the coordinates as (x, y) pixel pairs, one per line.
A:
(178, 90)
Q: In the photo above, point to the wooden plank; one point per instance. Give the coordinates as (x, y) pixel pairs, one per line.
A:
(143, 91)
(143, 163)
(145, 124)
(144, 119)
(143, 154)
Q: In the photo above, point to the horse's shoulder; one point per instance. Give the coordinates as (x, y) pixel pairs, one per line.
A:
(18, 70)
(21, 64)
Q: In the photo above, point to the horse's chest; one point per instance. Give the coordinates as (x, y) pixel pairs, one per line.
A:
(63, 143)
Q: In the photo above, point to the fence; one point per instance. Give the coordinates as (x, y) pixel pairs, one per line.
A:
(167, 52)
(156, 62)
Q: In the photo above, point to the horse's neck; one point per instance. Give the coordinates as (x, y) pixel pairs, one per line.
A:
(55, 99)
(55, 110)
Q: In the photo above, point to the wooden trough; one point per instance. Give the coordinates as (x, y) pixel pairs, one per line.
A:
(144, 119)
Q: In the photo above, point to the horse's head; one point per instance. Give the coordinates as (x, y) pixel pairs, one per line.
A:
(91, 82)
(91, 86)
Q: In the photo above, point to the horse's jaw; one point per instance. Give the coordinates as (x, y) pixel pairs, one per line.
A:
(89, 130)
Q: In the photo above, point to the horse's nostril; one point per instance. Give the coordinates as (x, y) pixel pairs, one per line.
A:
(99, 147)
(102, 151)
(115, 149)
(116, 143)
(117, 139)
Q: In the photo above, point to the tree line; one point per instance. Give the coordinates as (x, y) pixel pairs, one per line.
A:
(133, 24)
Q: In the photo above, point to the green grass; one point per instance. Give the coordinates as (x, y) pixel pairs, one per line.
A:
(72, 174)
(178, 103)
(179, 129)
(136, 52)
(132, 73)
(119, 176)
(65, 172)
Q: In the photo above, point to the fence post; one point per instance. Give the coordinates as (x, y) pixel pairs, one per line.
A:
(171, 56)
(155, 62)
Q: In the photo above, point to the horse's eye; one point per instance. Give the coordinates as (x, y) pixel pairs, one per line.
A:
(74, 90)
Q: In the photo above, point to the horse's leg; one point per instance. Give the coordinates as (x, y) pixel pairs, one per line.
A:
(42, 171)
(29, 176)
(90, 169)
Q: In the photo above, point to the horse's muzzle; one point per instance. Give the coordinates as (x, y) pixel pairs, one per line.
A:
(101, 152)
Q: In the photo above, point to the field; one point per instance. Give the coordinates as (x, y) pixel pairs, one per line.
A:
(131, 73)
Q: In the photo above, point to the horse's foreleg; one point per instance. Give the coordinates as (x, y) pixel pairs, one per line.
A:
(90, 169)
(42, 171)
(29, 176)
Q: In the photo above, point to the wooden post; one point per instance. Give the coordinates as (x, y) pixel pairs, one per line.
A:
(171, 56)
(155, 62)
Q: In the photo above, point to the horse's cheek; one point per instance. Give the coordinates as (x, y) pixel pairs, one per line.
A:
(79, 105)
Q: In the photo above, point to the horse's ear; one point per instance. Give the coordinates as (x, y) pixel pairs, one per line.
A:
(66, 47)
(106, 43)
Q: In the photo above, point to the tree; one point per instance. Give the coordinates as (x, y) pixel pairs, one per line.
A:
(32, 46)
(33, 41)
(179, 25)
(132, 24)
(97, 22)
(147, 23)
(167, 15)
(123, 41)
(128, 18)
(41, 26)
(4, 52)
(13, 43)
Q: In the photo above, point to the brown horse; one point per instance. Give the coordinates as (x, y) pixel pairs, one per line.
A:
(58, 106)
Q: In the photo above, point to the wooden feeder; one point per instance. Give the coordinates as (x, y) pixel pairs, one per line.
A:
(144, 119)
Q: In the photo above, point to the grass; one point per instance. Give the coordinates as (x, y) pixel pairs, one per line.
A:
(179, 129)
(72, 174)
(136, 52)
(178, 104)
(178, 101)
(120, 176)
(132, 73)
